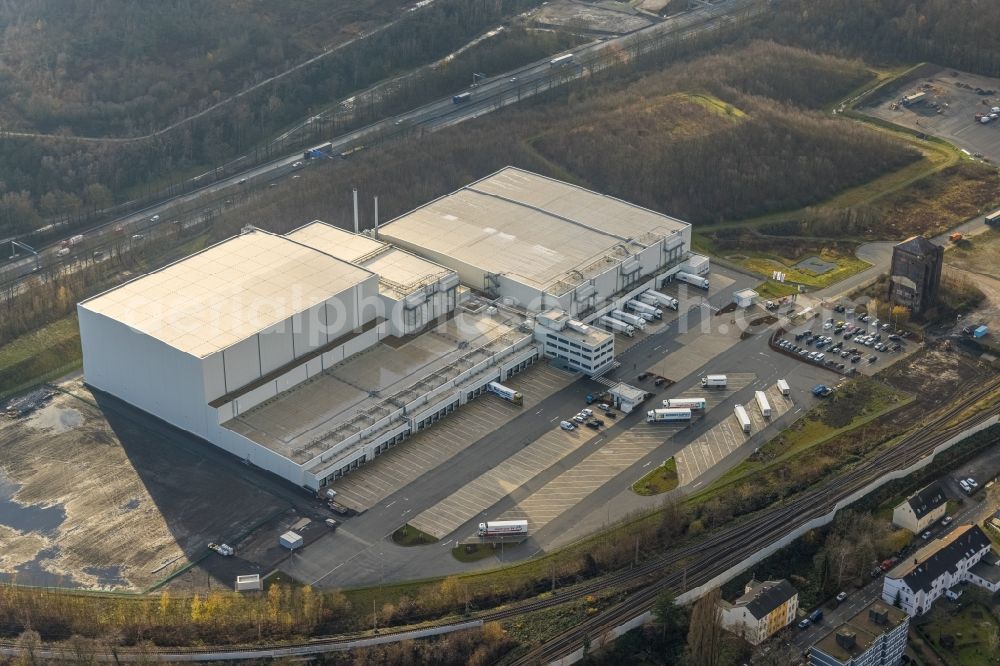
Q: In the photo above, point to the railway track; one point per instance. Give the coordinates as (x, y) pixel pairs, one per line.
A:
(718, 554)
(714, 555)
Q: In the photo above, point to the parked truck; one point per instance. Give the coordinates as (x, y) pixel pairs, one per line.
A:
(714, 381)
(783, 387)
(628, 318)
(668, 415)
(494, 528)
(694, 404)
(508, 394)
(661, 299)
(693, 280)
(743, 418)
(763, 404)
(461, 98)
(617, 325)
(993, 219)
(640, 307)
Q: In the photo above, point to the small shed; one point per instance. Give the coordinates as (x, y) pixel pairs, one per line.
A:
(248, 583)
(745, 298)
(627, 397)
(291, 540)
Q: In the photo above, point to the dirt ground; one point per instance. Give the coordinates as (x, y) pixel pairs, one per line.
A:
(96, 495)
(608, 18)
(978, 260)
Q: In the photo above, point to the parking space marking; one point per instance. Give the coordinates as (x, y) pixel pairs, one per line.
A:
(489, 488)
(702, 454)
(392, 470)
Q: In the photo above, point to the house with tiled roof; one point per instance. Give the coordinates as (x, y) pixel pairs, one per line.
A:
(916, 583)
(921, 509)
(765, 608)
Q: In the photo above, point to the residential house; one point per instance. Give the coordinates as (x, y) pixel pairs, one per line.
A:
(921, 509)
(916, 583)
(764, 609)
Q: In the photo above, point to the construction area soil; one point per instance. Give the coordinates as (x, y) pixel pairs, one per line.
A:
(96, 495)
(604, 18)
(977, 259)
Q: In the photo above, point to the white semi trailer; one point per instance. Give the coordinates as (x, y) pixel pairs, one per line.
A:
(492, 528)
(763, 404)
(698, 404)
(659, 299)
(628, 318)
(640, 307)
(509, 394)
(668, 415)
(617, 325)
(742, 417)
(784, 388)
(693, 280)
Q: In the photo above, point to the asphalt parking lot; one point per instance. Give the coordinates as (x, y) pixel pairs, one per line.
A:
(487, 489)
(864, 353)
(948, 111)
(574, 485)
(399, 466)
(711, 448)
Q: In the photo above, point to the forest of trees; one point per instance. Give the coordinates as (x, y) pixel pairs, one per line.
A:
(46, 178)
(964, 34)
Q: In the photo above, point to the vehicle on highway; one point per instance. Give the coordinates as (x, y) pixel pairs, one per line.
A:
(461, 98)
(566, 425)
(62, 252)
(242, 181)
(155, 218)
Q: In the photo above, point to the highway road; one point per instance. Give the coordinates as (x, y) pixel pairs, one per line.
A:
(489, 95)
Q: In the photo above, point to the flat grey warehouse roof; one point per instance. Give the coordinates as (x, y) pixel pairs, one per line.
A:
(531, 227)
(212, 300)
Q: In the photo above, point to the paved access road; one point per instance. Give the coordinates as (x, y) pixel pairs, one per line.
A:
(360, 552)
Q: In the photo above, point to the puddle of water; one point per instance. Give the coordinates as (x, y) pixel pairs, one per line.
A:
(33, 573)
(27, 518)
(131, 505)
(108, 576)
(56, 419)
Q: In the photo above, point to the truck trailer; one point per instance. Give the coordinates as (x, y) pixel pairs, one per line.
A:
(695, 404)
(562, 61)
(640, 307)
(508, 394)
(668, 415)
(715, 381)
(783, 387)
(743, 418)
(693, 280)
(661, 299)
(492, 528)
(993, 219)
(628, 318)
(617, 325)
(762, 404)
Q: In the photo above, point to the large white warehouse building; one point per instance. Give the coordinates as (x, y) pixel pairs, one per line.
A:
(311, 353)
(541, 243)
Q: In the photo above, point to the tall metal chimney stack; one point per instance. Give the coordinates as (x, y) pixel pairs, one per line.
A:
(356, 210)
(375, 235)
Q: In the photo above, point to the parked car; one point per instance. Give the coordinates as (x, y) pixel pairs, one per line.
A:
(804, 624)
(841, 596)
(566, 425)
(926, 535)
